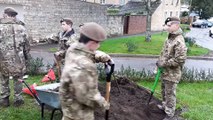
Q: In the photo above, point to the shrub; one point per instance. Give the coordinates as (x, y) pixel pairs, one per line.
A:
(101, 72)
(189, 43)
(34, 66)
(131, 46)
(112, 11)
(190, 75)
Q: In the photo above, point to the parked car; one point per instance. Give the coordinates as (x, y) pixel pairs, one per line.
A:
(210, 24)
(200, 23)
(211, 31)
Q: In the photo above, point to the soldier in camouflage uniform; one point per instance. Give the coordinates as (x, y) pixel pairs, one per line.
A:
(172, 59)
(13, 52)
(64, 37)
(79, 95)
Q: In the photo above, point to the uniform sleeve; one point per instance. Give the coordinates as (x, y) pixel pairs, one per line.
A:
(26, 43)
(72, 39)
(180, 55)
(101, 56)
(85, 83)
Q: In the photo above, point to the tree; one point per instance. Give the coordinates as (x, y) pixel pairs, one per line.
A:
(186, 2)
(148, 20)
(151, 6)
(203, 8)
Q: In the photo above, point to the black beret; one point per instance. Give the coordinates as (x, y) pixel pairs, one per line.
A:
(10, 11)
(172, 19)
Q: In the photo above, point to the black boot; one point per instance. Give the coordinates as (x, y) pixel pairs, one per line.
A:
(5, 102)
(18, 103)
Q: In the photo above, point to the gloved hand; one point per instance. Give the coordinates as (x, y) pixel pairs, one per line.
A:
(59, 55)
(160, 64)
(102, 57)
(106, 105)
(155, 70)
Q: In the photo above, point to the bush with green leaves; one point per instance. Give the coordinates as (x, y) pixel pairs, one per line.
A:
(131, 46)
(193, 75)
(101, 71)
(184, 14)
(189, 43)
(113, 11)
(34, 66)
(189, 75)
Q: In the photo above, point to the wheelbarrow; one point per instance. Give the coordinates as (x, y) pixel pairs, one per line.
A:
(45, 95)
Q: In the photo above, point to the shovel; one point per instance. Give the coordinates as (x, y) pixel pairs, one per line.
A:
(108, 83)
(159, 71)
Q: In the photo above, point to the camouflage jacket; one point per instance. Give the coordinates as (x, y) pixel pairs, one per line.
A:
(13, 47)
(79, 94)
(173, 56)
(63, 38)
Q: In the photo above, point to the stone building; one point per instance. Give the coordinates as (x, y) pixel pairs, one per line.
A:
(160, 9)
(166, 9)
(42, 16)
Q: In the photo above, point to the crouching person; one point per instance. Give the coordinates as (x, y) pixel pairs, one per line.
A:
(79, 94)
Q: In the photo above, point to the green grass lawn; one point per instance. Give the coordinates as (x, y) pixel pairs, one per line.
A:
(196, 97)
(30, 110)
(118, 45)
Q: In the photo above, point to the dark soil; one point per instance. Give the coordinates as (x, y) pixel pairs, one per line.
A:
(130, 103)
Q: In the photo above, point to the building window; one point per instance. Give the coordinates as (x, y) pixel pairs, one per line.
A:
(172, 2)
(177, 13)
(102, 1)
(165, 15)
(165, 2)
(170, 13)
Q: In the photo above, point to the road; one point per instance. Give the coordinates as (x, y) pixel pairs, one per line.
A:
(137, 63)
(201, 36)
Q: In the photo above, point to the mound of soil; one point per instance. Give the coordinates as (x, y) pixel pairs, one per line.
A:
(128, 101)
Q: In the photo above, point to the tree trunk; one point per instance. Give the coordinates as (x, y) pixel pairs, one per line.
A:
(148, 21)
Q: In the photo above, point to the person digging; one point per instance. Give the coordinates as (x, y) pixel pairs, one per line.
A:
(171, 60)
(79, 95)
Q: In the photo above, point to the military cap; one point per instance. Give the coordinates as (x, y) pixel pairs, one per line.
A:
(67, 20)
(93, 31)
(172, 19)
(10, 11)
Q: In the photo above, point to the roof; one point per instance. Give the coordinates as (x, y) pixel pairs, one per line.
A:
(138, 7)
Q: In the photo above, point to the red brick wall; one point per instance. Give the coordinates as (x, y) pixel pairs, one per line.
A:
(137, 24)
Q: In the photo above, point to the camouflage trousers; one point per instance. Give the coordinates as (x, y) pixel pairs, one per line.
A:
(73, 110)
(169, 96)
(5, 87)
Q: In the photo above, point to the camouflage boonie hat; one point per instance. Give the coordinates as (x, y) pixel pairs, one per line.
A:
(172, 19)
(93, 31)
(10, 11)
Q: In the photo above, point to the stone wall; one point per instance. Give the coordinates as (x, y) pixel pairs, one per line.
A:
(42, 16)
(115, 25)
